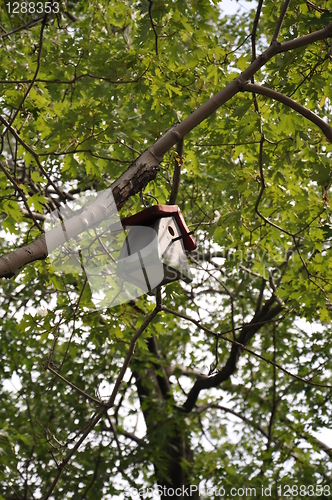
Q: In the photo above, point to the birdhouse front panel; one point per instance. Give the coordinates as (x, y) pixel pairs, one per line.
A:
(171, 251)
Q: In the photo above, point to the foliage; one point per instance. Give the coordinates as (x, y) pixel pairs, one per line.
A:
(232, 377)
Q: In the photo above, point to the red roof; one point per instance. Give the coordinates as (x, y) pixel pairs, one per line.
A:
(150, 214)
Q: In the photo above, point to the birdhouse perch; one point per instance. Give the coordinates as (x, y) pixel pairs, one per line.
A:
(153, 253)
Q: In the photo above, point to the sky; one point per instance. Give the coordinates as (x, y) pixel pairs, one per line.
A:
(232, 6)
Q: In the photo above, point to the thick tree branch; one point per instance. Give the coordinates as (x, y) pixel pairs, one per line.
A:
(138, 175)
(267, 313)
(173, 135)
(302, 110)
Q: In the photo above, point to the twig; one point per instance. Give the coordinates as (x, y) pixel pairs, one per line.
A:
(77, 389)
(57, 81)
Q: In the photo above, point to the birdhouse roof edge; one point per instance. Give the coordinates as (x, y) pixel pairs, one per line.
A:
(150, 214)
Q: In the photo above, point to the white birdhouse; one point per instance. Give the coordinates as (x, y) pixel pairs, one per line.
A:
(153, 253)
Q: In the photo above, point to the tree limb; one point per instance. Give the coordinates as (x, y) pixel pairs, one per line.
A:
(302, 110)
(24, 27)
(248, 331)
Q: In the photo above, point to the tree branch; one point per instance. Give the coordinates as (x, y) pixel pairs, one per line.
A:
(248, 331)
(254, 29)
(24, 27)
(260, 429)
(261, 401)
(153, 26)
(173, 135)
(177, 173)
(100, 413)
(280, 21)
(36, 71)
(277, 96)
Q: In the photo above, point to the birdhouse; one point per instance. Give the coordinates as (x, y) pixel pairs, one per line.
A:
(153, 253)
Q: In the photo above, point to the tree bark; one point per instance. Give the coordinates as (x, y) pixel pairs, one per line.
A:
(173, 463)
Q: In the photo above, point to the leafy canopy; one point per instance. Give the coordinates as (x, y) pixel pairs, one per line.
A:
(86, 91)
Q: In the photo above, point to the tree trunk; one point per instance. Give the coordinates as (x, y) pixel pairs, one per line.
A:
(173, 457)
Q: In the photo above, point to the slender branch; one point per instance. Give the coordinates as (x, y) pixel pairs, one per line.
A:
(274, 392)
(33, 215)
(93, 422)
(33, 153)
(254, 29)
(129, 435)
(161, 374)
(77, 389)
(252, 423)
(293, 425)
(36, 71)
(277, 96)
(75, 78)
(102, 411)
(177, 173)
(24, 27)
(247, 420)
(130, 353)
(95, 155)
(171, 370)
(248, 331)
(153, 26)
(280, 20)
(21, 192)
(253, 48)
